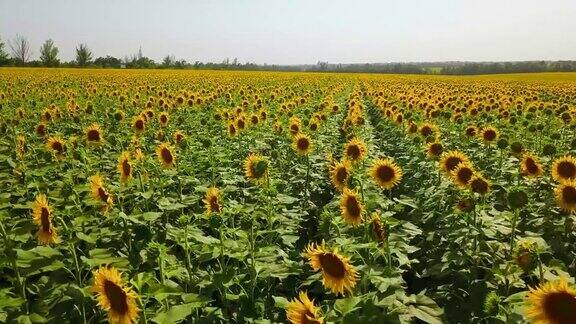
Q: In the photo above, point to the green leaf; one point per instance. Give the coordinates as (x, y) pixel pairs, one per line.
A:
(176, 313)
(347, 305)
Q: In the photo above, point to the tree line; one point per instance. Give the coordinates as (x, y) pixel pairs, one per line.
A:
(18, 52)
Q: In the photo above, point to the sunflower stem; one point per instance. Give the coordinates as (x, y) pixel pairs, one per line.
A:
(306, 193)
(513, 233)
(10, 252)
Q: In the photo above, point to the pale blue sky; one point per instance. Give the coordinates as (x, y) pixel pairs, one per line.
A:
(298, 31)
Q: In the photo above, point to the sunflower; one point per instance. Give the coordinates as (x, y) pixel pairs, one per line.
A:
(489, 134)
(94, 134)
(232, 131)
(355, 150)
(166, 156)
(339, 174)
(138, 124)
(42, 214)
(124, 167)
(386, 173)
(21, 146)
(338, 274)
(212, 200)
(302, 144)
(56, 145)
(427, 129)
(462, 174)
(565, 194)
(40, 129)
(114, 296)
(564, 169)
(256, 168)
(450, 160)
(378, 229)
(351, 207)
(530, 166)
(99, 192)
(301, 310)
(471, 131)
(163, 119)
(552, 303)
(178, 136)
(434, 149)
(479, 184)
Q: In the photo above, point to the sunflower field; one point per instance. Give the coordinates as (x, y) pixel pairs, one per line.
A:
(263, 197)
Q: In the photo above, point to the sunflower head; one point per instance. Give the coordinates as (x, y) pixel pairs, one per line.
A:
(338, 274)
(489, 134)
(564, 169)
(232, 130)
(354, 150)
(42, 214)
(450, 160)
(351, 207)
(525, 255)
(302, 144)
(462, 174)
(114, 297)
(340, 173)
(530, 166)
(212, 201)
(301, 310)
(479, 184)
(40, 129)
(57, 146)
(94, 135)
(163, 119)
(139, 124)
(552, 302)
(99, 193)
(256, 168)
(179, 136)
(166, 156)
(124, 167)
(565, 194)
(434, 149)
(386, 173)
(378, 229)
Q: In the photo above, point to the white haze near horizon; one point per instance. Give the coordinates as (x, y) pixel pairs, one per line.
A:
(299, 31)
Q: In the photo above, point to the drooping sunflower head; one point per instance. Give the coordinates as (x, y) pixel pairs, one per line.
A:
(462, 174)
(340, 173)
(94, 135)
(378, 230)
(302, 144)
(166, 156)
(301, 310)
(386, 173)
(232, 130)
(42, 214)
(256, 168)
(99, 193)
(179, 136)
(564, 169)
(434, 149)
(114, 297)
(163, 119)
(565, 194)
(57, 146)
(351, 207)
(212, 201)
(124, 167)
(450, 160)
(354, 150)
(489, 134)
(525, 255)
(530, 166)
(338, 274)
(552, 302)
(479, 184)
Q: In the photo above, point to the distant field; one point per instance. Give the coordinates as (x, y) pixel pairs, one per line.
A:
(215, 196)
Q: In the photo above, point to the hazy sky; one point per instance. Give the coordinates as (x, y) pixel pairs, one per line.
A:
(299, 31)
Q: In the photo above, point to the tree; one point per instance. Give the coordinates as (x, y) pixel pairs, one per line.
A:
(168, 61)
(49, 54)
(83, 55)
(21, 51)
(108, 61)
(4, 58)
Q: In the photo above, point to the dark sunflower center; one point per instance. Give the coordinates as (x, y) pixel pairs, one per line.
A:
(452, 162)
(139, 124)
(353, 152)
(489, 135)
(163, 119)
(41, 130)
(464, 175)
(126, 167)
(569, 194)
(57, 146)
(303, 144)
(166, 155)
(341, 174)
(560, 307)
(352, 206)
(93, 135)
(116, 296)
(479, 186)
(332, 265)
(566, 169)
(214, 205)
(436, 149)
(45, 219)
(385, 173)
(470, 131)
(259, 168)
(103, 194)
(531, 166)
(241, 124)
(232, 129)
(425, 131)
(294, 128)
